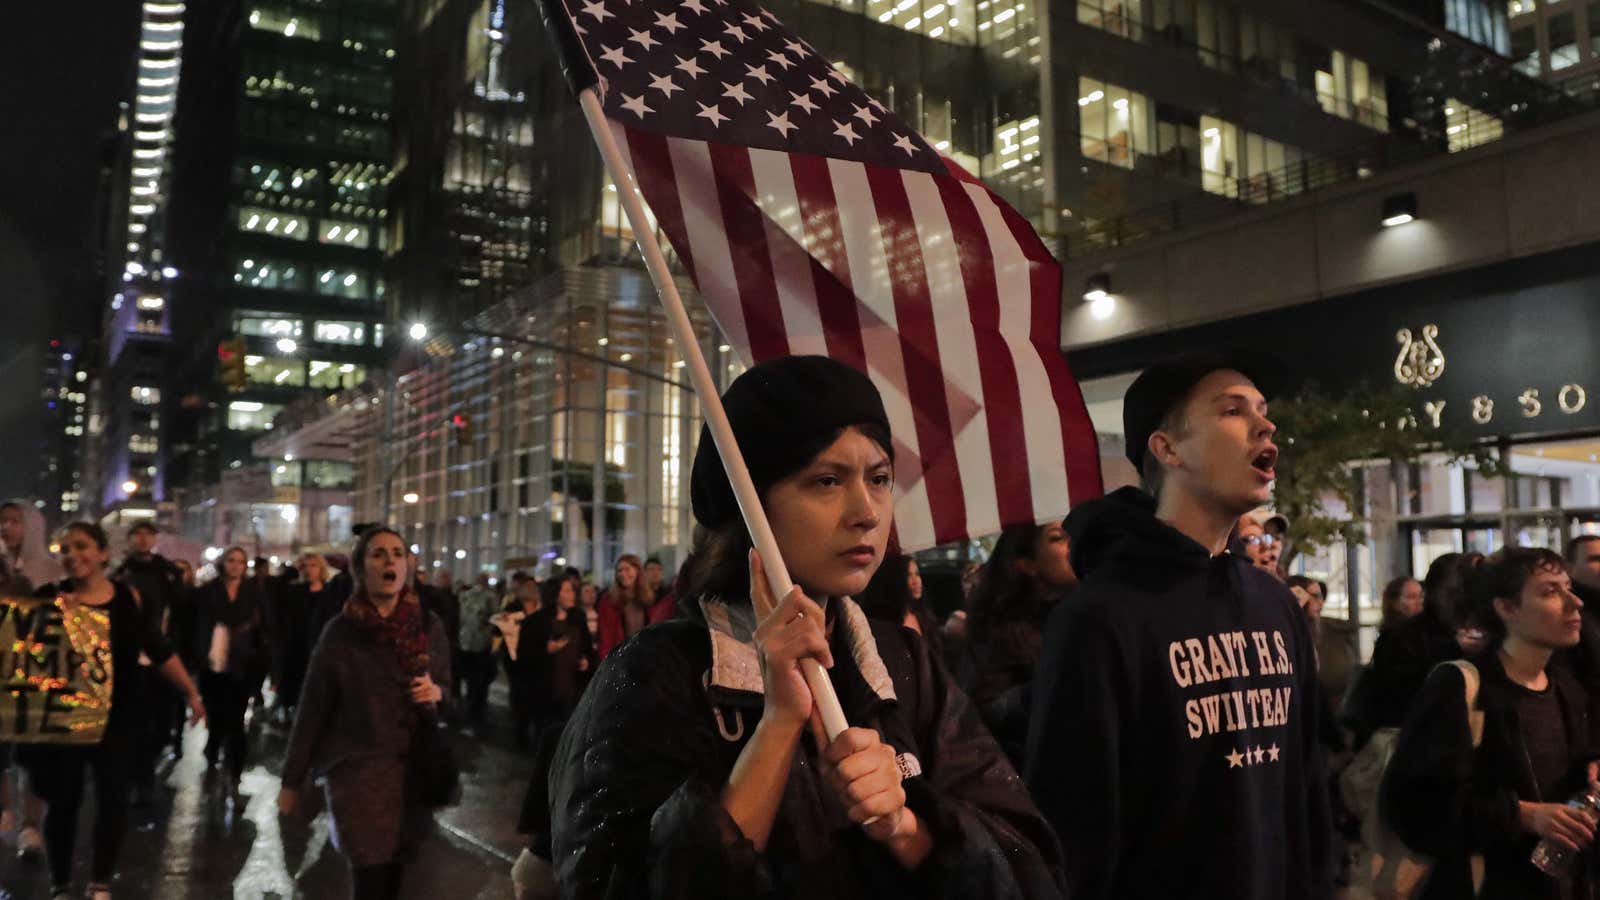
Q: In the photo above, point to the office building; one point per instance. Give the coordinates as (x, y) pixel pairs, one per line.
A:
(281, 173)
(126, 476)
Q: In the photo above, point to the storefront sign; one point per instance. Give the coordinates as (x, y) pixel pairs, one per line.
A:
(1508, 350)
(56, 663)
(1420, 362)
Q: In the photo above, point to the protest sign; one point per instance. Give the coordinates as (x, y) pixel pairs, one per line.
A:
(55, 671)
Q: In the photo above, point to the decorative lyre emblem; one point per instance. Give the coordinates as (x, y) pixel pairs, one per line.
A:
(1420, 362)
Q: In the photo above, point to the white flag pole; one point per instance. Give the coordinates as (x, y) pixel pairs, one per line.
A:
(755, 518)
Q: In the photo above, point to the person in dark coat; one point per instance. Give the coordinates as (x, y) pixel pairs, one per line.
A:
(296, 612)
(1405, 653)
(1026, 576)
(894, 595)
(524, 662)
(1174, 742)
(556, 639)
(230, 639)
(689, 770)
(1448, 800)
(375, 678)
(159, 584)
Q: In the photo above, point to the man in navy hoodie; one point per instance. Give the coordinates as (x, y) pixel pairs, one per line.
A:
(1173, 743)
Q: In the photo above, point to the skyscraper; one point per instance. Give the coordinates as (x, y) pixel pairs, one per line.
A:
(127, 478)
(282, 167)
(64, 410)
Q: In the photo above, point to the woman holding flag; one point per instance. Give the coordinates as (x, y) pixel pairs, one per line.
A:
(695, 764)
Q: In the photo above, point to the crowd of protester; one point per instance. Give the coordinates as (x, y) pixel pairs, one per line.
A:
(1140, 701)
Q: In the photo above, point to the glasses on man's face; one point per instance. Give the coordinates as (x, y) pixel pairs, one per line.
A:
(1261, 540)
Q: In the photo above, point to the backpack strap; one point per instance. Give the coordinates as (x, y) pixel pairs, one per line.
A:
(1469, 674)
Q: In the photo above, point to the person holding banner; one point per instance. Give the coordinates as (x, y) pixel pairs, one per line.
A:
(695, 764)
(58, 769)
(25, 564)
(372, 689)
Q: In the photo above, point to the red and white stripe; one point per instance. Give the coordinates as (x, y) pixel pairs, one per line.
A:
(936, 289)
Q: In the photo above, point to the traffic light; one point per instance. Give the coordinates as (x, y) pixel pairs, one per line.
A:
(230, 364)
(461, 426)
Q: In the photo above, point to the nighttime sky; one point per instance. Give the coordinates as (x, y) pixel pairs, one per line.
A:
(64, 74)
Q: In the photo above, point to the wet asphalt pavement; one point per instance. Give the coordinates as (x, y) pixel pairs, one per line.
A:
(192, 844)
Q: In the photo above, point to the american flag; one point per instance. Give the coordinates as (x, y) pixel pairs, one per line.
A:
(814, 220)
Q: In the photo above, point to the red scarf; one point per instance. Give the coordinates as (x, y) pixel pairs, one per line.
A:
(404, 631)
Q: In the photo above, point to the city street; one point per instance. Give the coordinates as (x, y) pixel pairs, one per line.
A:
(190, 846)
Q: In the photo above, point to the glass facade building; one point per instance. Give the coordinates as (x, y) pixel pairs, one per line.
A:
(283, 162)
(1078, 115)
(126, 479)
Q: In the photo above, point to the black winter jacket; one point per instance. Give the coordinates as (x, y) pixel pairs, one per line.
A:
(1401, 660)
(160, 585)
(1447, 801)
(1173, 742)
(636, 780)
(244, 617)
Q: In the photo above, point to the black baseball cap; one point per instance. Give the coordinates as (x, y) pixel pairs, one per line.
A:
(1167, 384)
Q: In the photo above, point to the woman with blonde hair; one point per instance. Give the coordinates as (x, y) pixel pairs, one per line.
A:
(291, 649)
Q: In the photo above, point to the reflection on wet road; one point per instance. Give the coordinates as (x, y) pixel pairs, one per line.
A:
(193, 843)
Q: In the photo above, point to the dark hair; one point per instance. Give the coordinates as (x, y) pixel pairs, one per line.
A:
(1443, 590)
(1004, 593)
(143, 525)
(887, 597)
(1301, 581)
(1502, 576)
(719, 564)
(358, 557)
(656, 560)
(1391, 601)
(1575, 546)
(89, 529)
(550, 590)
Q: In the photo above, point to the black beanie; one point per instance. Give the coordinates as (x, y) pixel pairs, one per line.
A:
(779, 409)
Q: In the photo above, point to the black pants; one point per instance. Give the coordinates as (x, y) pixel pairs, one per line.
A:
(524, 710)
(154, 728)
(477, 672)
(58, 777)
(226, 698)
(376, 882)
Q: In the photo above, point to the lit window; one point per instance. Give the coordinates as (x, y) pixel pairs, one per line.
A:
(341, 332)
(145, 396)
(349, 234)
(269, 326)
(273, 222)
(246, 415)
(275, 371)
(332, 376)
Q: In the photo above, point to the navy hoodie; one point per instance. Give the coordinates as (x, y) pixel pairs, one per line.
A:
(1173, 742)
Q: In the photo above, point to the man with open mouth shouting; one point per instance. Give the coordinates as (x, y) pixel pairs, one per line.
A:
(1174, 740)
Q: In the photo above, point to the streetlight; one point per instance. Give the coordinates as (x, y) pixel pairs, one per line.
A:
(287, 345)
(130, 487)
(410, 497)
(418, 332)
